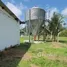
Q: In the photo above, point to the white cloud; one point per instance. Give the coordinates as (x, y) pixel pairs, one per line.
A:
(50, 12)
(17, 9)
(22, 7)
(14, 9)
(64, 12)
(22, 26)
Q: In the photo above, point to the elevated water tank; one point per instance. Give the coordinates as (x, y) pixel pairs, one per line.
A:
(36, 13)
(36, 16)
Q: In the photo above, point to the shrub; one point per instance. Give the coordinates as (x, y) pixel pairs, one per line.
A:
(63, 33)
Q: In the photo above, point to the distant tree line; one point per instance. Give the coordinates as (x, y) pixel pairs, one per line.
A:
(63, 33)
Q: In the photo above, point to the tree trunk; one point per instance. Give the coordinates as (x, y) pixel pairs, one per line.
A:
(44, 37)
(54, 38)
(38, 37)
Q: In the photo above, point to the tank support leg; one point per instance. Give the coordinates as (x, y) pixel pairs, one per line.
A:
(34, 37)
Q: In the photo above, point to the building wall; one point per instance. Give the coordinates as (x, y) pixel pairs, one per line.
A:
(9, 30)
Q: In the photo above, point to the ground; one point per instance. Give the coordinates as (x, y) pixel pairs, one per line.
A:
(46, 54)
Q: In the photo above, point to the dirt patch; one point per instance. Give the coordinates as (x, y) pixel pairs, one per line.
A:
(27, 56)
(53, 57)
(56, 45)
(33, 65)
(63, 45)
(12, 53)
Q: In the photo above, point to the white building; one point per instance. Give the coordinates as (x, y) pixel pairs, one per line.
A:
(9, 28)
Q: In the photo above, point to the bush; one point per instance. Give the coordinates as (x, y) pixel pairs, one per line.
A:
(63, 33)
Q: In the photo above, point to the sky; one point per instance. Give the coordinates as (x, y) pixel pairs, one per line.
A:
(18, 7)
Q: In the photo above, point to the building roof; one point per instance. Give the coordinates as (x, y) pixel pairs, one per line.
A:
(10, 12)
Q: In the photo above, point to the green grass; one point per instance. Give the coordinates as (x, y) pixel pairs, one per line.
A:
(63, 39)
(42, 55)
(41, 62)
(24, 63)
(21, 40)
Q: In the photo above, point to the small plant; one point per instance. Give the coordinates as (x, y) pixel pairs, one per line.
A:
(37, 51)
(5, 49)
(1, 55)
(40, 50)
(38, 61)
(13, 46)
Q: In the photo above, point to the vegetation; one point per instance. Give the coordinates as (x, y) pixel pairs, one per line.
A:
(44, 54)
(55, 25)
(53, 29)
(48, 54)
(63, 33)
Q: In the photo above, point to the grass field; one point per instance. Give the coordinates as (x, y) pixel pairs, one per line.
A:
(48, 54)
(61, 39)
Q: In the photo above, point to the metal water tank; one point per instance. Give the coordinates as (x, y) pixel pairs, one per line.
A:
(36, 17)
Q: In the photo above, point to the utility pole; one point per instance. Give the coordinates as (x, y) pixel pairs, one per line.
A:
(29, 23)
(26, 24)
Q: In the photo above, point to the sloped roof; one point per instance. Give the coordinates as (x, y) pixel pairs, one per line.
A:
(10, 12)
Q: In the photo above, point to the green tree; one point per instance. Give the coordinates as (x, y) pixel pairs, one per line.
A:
(63, 33)
(55, 25)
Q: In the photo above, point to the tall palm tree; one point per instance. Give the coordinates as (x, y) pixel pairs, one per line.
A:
(55, 25)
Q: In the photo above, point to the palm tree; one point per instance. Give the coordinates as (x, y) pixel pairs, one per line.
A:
(55, 25)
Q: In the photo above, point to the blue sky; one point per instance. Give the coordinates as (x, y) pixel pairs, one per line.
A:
(19, 7)
(60, 4)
